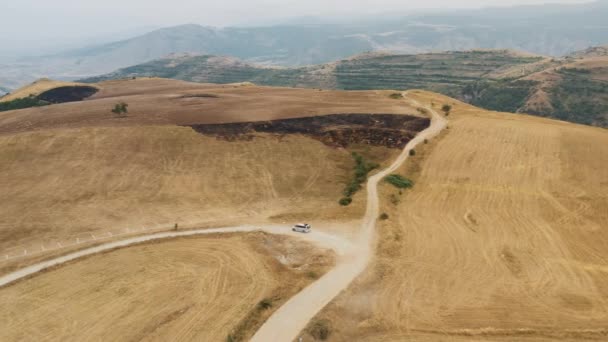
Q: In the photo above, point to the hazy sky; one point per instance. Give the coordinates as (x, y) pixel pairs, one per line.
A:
(24, 22)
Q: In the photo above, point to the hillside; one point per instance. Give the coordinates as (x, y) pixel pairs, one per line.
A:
(537, 29)
(74, 169)
(502, 238)
(572, 88)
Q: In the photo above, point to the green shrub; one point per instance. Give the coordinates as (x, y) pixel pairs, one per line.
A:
(384, 216)
(120, 109)
(412, 153)
(396, 96)
(446, 109)
(399, 181)
(345, 201)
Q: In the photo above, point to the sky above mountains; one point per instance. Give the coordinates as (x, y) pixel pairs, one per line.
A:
(39, 25)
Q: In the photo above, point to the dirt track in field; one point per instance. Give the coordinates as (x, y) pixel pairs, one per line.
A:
(291, 318)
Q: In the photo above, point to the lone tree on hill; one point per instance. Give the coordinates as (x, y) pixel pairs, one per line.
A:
(446, 109)
(120, 109)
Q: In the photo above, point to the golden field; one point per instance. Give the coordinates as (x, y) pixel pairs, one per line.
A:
(502, 238)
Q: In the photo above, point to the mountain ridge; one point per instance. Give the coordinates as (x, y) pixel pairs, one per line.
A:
(571, 88)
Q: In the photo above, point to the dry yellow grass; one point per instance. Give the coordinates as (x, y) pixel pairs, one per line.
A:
(169, 102)
(503, 238)
(58, 184)
(37, 88)
(190, 289)
(75, 169)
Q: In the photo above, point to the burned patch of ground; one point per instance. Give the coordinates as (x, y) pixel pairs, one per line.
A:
(337, 130)
(67, 94)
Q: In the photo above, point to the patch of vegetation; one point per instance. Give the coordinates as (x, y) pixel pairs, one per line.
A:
(446, 108)
(503, 95)
(320, 330)
(412, 153)
(384, 216)
(22, 103)
(250, 320)
(265, 304)
(312, 275)
(580, 98)
(399, 181)
(120, 109)
(362, 169)
(345, 201)
(396, 96)
(574, 71)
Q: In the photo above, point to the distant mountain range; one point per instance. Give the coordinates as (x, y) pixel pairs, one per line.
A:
(572, 88)
(552, 30)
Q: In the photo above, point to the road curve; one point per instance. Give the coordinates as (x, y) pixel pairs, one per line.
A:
(289, 320)
(336, 243)
(352, 256)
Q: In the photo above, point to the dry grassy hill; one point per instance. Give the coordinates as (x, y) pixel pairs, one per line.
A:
(75, 169)
(502, 238)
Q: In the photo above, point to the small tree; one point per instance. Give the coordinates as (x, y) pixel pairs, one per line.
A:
(446, 109)
(120, 109)
(412, 153)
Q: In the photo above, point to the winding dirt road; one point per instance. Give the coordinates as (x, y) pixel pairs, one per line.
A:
(290, 319)
(352, 256)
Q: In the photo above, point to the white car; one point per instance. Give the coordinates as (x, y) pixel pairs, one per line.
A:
(301, 228)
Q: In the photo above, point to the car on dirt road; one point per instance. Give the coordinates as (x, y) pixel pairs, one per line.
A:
(301, 228)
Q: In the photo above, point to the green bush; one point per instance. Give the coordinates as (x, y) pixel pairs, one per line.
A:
(345, 201)
(399, 181)
(384, 216)
(395, 96)
(120, 109)
(412, 153)
(446, 108)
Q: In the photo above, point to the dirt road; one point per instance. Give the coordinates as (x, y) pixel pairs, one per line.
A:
(289, 320)
(353, 256)
(336, 243)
